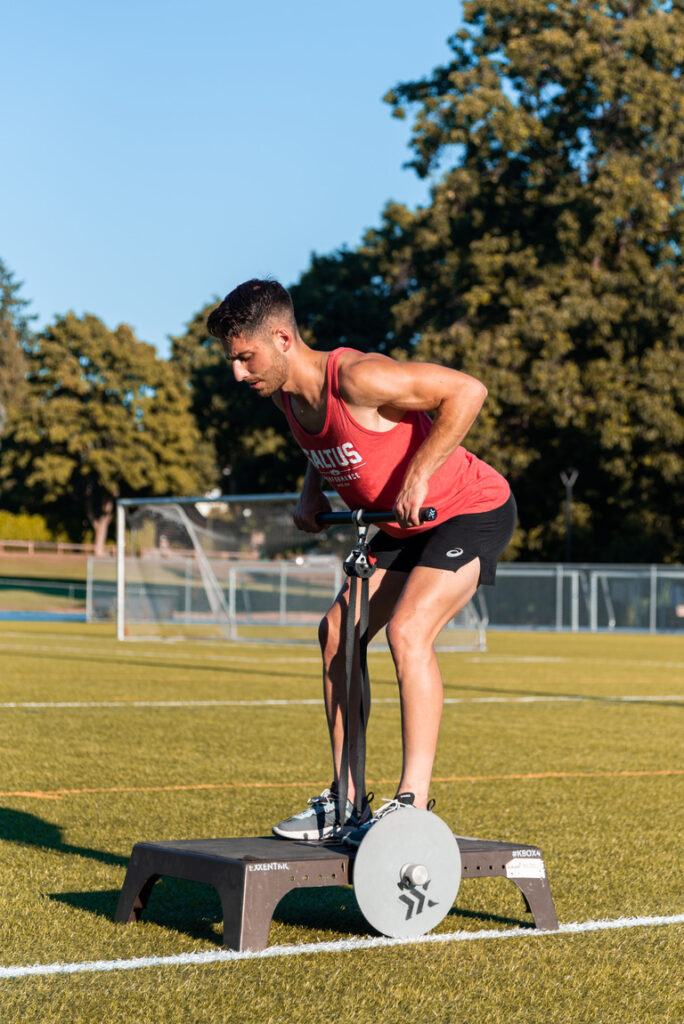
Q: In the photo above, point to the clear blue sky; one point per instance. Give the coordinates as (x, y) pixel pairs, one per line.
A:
(158, 153)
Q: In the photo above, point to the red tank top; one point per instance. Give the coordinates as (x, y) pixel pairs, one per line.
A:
(366, 467)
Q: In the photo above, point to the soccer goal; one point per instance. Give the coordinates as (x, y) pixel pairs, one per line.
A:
(229, 568)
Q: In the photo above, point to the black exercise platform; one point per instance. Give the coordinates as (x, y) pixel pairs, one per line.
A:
(252, 875)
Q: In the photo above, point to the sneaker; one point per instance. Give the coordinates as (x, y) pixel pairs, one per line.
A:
(319, 820)
(401, 800)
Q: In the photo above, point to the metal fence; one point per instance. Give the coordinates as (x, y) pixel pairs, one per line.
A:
(168, 598)
(593, 597)
(561, 597)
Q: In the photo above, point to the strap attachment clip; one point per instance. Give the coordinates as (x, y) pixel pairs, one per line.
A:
(360, 562)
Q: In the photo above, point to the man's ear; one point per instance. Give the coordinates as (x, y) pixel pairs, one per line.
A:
(283, 339)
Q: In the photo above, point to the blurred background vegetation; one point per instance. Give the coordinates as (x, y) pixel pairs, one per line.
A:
(548, 263)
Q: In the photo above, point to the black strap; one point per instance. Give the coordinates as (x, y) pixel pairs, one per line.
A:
(360, 710)
(359, 766)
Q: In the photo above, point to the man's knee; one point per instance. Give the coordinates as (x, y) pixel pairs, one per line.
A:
(401, 636)
(329, 633)
(324, 631)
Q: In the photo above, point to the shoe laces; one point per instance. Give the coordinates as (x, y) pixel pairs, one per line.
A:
(389, 806)
(330, 795)
(326, 797)
(396, 804)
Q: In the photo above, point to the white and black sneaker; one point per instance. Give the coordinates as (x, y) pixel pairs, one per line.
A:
(400, 802)
(320, 820)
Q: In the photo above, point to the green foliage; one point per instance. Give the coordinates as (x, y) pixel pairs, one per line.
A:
(14, 334)
(342, 300)
(549, 261)
(22, 526)
(103, 418)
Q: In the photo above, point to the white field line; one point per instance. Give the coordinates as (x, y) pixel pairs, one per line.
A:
(583, 659)
(340, 946)
(176, 655)
(29, 705)
(197, 655)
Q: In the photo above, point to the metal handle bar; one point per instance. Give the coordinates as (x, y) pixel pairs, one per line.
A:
(363, 517)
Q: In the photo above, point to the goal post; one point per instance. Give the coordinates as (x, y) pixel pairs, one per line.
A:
(230, 567)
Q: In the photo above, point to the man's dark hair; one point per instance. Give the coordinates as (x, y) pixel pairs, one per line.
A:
(248, 306)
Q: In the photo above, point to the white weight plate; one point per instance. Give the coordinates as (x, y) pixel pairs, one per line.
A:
(394, 906)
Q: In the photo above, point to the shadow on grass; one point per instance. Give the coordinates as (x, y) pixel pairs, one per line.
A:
(149, 663)
(174, 904)
(100, 904)
(520, 693)
(335, 909)
(328, 908)
(487, 918)
(30, 830)
(194, 909)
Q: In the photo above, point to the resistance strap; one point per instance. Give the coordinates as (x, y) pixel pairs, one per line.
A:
(357, 705)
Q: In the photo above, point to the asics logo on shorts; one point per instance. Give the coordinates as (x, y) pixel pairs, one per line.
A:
(454, 553)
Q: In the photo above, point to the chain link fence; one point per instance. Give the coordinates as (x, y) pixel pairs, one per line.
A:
(593, 597)
(562, 597)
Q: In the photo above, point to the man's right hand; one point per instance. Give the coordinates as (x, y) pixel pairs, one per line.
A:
(306, 510)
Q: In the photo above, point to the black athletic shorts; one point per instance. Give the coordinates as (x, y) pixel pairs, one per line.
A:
(452, 544)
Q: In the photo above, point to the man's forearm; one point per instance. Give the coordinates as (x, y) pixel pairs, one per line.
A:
(452, 421)
(313, 483)
(312, 500)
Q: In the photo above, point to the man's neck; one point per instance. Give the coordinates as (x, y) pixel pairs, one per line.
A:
(306, 383)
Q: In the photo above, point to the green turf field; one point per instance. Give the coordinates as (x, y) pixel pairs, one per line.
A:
(596, 780)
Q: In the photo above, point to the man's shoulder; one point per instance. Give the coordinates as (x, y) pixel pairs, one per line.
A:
(355, 355)
(363, 378)
(351, 363)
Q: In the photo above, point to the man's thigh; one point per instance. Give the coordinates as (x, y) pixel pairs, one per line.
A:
(431, 597)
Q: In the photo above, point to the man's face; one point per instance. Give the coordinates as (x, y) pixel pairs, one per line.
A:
(258, 362)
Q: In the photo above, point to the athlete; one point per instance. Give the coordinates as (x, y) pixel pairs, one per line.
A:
(362, 421)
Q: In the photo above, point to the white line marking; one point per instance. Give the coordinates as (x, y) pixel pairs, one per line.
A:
(340, 946)
(28, 705)
(56, 705)
(155, 655)
(525, 659)
(198, 654)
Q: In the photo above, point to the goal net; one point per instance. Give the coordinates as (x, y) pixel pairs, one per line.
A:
(229, 568)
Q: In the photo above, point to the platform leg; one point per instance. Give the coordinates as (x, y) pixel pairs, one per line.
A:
(230, 885)
(247, 915)
(247, 912)
(537, 895)
(134, 895)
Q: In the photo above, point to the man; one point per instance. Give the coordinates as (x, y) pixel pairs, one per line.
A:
(362, 421)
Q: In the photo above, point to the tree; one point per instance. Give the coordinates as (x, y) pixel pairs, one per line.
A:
(342, 300)
(14, 335)
(104, 418)
(549, 262)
